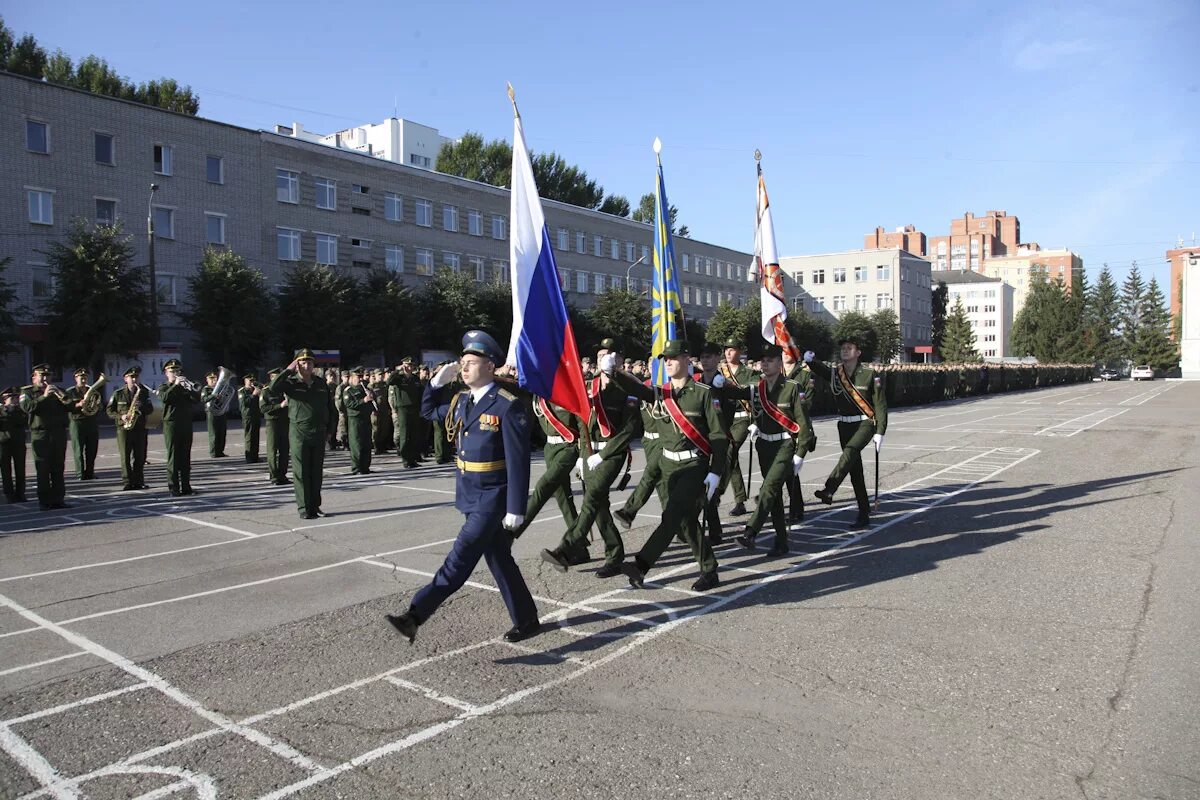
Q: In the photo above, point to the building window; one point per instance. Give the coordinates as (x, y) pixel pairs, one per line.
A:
(597, 283)
(860, 302)
(564, 239)
(450, 218)
(106, 211)
(163, 156)
(883, 272)
(42, 286)
(214, 169)
(478, 268)
(686, 264)
(687, 294)
(41, 206)
(614, 282)
(645, 251)
(214, 228)
(419, 160)
(581, 282)
(287, 186)
(708, 297)
(474, 222)
(327, 249)
(424, 210)
(393, 259)
(499, 228)
(452, 260)
(103, 149)
(614, 248)
(708, 268)
(839, 302)
(37, 136)
(860, 274)
(883, 300)
(164, 222)
(500, 270)
(630, 249)
(839, 274)
(287, 244)
(580, 242)
(326, 193)
(564, 280)
(597, 246)
(361, 244)
(424, 262)
(166, 290)
(393, 207)
(818, 276)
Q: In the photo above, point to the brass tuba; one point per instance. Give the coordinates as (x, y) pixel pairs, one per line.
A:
(93, 398)
(222, 394)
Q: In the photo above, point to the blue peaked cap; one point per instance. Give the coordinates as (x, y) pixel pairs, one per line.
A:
(479, 343)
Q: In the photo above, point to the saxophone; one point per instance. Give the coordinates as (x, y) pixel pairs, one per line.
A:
(93, 398)
(130, 418)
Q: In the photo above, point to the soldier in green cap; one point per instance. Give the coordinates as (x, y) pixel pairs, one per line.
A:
(692, 457)
(561, 428)
(275, 412)
(381, 413)
(799, 372)
(129, 407)
(310, 410)
(738, 376)
(13, 423)
(359, 401)
(85, 428)
(218, 424)
(861, 401)
(404, 396)
(249, 399)
(783, 437)
(43, 403)
(179, 400)
(341, 439)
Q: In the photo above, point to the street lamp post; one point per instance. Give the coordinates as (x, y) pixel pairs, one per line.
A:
(153, 275)
(628, 273)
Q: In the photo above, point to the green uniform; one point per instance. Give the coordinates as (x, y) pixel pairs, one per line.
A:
(276, 417)
(739, 429)
(684, 468)
(404, 397)
(178, 404)
(248, 402)
(358, 414)
(48, 433)
(85, 435)
(131, 444)
(651, 479)
(13, 423)
(803, 376)
(856, 426)
(343, 429)
(218, 425)
(310, 410)
(561, 455)
(382, 431)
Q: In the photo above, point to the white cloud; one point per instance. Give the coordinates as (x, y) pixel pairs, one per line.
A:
(1039, 55)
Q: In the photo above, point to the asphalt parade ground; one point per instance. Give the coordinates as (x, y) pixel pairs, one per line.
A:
(1022, 620)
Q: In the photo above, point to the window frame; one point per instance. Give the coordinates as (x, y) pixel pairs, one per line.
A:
(396, 200)
(297, 239)
(208, 159)
(170, 211)
(293, 188)
(422, 204)
(41, 192)
(421, 268)
(499, 222)
(217, 215)
(96, 200)
(330, 189)
(112, 148)
(449, 218)
(328, 238)
(388, 251)
(45, 133)
(163, 157)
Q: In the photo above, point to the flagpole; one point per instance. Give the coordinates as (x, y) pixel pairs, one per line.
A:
(682, 318)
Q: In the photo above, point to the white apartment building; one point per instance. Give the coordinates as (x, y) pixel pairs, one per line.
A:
(989, 306)
(829, 284)
(400, 141)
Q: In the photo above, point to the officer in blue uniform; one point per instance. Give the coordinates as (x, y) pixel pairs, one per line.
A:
(492, 488)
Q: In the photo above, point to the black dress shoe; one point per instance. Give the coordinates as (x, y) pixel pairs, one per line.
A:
(282, 483)
(141, 486)
(861, 521)
(825, 496)
(45, 507)
(715, 539)
(780, 549)
(127, 488)
(521, 632)
(321, 513)
(189, 490)
(405, 625)
(176, 493)
(795, 517)
(708, 580)
(746, 540)
(556, 559)
(624, 517)
(738, 510)
(608, 571)
(637, 578)
(577, 557)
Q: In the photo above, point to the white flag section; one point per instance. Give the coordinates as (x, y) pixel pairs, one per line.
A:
(767, 261)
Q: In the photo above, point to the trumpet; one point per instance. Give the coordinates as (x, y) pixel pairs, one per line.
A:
(186, 384)
(45, 387)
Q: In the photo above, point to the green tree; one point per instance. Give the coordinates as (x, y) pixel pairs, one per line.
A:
(385, 313)
(958, 340)
(1104, 320)
(8, 312)
(230, 310)
(1132, 291)
(810, 332)
(1154, 345)
(101, 303)
(937, 313)
(451, 304)
(566, 183)
(858, 325)
(616, 205)
(6, 42)
(495, 303)
(472, 158)
(318, 308)
(695, 332)
(645, 213)
(887, 334)
(1075, 342)
(59, 69)
(1039, 328)
(623, 316)
(728, 323)
(28, 58)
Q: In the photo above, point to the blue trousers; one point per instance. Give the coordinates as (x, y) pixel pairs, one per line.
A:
(481, 537)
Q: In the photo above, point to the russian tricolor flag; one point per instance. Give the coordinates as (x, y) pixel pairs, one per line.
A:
(542, 345)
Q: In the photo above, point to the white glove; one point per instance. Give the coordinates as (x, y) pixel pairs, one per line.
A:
(444, 375)
(753, 429)
(808, 356)
(711, 481)
(608, 362)
(718, 381)
(513, 521)
(878, 440)
(594, 460)
(797, 463)
(579, 468)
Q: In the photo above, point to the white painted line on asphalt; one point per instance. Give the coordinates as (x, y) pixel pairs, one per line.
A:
(545, 653)
(86, 701)
(35, 763)
(37, 664)
(431, 694)
(206, 524)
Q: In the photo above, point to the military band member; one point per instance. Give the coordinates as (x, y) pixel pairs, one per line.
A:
(129, 408)
(342, 438)
(218, 424)
(43, 403)
(335, 380)
(561, 453)
(404, 396)
(249, 397)
(861, 401)
(85, 428)
(692, 457)
(274, 407)
(310, 410)
(612, 426)
(491, 489)
(738, 375)
(178, 403)
(381, 415)
(13, 423)
(359, 402)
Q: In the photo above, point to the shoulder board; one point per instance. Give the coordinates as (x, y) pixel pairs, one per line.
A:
(702, 383)
(507, 395)
(792, 381)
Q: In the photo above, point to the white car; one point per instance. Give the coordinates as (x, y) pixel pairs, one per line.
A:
(1142, 373)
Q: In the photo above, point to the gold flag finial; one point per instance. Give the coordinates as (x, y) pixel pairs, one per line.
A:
(512, 97)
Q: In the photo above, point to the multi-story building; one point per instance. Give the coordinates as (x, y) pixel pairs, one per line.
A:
(400, 141)
(1185, 306)
(280, 200)
(988, 303)
(907, 238)
(1014, 269)
(973, 240)
(829, 284)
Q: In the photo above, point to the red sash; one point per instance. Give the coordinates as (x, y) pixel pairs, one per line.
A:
(598, 409)
(685, 425)
(566, 433)
(773, 411)
(866, 408)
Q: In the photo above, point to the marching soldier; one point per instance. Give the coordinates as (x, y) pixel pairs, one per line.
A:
(613, 423)
(491, 490)
(85, 429)
(178, 402)
(310, 410)
(218, 424)
(738, 375)
(43, 403)
(274, 407)
(13, 423)
(129, 407)
(692, 458)
(800, 373)
(359, 402)
(862, 417)
(404, 397)
(381, 415)
(249, 397)
(651, 480)
(561, 452)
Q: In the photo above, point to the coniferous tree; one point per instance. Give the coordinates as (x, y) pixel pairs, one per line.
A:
(1154, 345)
(1104, 319)
(958, 339)
(1075, 345)
(621, 315)
(230, 310)
(8, 312)
(386, 313)
(937, 313)
(1132, 291)
(728, 322)
(1040, 328)
(318, 309)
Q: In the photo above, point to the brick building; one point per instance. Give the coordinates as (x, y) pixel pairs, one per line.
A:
(1185, 306)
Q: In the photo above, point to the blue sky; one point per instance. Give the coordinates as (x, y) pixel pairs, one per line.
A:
(1081, 118)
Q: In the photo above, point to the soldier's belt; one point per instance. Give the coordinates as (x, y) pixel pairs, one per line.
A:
(854, 418)
(598, 444)
(480, 466)
(741, 414)
(651, 435)
(680, 455)
(773, 437)
(557, 440)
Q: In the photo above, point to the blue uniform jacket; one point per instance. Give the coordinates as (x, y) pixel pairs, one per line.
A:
(497, 430)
